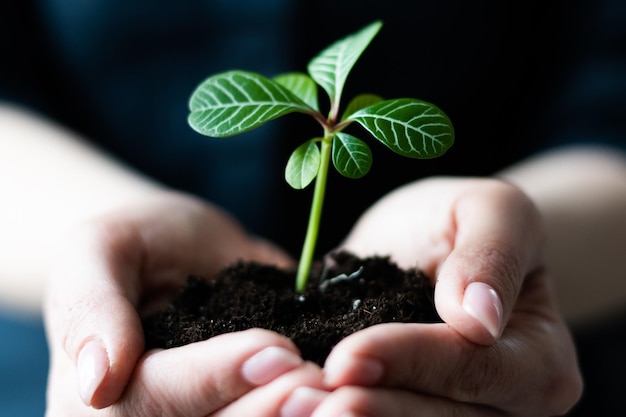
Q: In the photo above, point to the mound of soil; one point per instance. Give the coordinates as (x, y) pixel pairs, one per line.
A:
(349, 295)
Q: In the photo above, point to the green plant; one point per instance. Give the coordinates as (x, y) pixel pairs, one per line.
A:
(234, 102)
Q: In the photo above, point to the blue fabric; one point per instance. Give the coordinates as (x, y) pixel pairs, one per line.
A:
(23, 366)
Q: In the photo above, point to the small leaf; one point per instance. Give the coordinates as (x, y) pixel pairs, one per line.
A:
(237, 101)
(331, 67)
(409, 127)
(351, 156)
(303, 165)
(359, 102)
(301, 85)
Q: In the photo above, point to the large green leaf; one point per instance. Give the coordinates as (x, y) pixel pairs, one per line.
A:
(303, 165)
(409, 127)
(237, 101)
(331, 67)
(301, 85)
(351, 156)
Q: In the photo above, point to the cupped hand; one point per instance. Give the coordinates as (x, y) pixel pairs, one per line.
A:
(251, 372)
(112, 267)
(504, 349)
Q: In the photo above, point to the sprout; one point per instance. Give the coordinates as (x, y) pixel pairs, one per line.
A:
(234, 102)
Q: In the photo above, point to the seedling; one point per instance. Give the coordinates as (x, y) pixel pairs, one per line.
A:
(234, 102)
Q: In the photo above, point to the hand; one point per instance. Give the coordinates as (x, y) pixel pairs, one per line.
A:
(504, 348)
(117, 263)
(243, 373)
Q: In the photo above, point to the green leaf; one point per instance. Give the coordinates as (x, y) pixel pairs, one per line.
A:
(410, 127)
(359, 102)
(301, 85)
(351, 156)
(303, 165)
(237, 101)
(331, 67)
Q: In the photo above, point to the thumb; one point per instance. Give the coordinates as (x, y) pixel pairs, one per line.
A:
(91, 315)
(132, 255)
(497, 244)
(105, 359)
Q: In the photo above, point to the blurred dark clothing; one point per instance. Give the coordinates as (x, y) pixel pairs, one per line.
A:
(514, 77)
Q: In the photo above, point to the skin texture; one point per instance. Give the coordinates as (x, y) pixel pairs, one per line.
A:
(479, 230)
(113, 266)
(403, 364)
(491, 244)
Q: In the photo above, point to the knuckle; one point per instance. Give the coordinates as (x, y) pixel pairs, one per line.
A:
(562, 393)
(563, 384)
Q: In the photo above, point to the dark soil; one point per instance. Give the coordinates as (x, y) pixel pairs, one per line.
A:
(248, 295)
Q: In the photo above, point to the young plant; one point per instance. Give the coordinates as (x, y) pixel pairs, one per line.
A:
(234, 102)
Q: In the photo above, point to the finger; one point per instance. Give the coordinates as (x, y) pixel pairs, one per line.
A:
(91, 315)
(531, 370)
(497, 243)
(295, 393)
(367, 357)
(479, 237)
(379, 402)
(201, 378)
(435, 360)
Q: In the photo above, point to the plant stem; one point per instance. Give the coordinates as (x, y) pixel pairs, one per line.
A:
(308, 249)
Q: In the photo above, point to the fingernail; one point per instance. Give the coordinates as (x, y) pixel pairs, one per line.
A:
(482, 302)
(268, 364)
(92, 366)
(302, 402)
